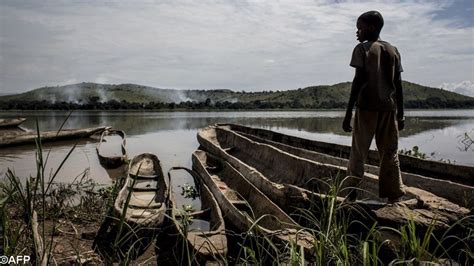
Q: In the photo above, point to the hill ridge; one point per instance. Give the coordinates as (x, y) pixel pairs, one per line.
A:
(318, 96)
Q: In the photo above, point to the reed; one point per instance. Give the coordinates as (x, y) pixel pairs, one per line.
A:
(342, 241)
(117, 240)
(36, 200)
(183, 219)
(39, 197)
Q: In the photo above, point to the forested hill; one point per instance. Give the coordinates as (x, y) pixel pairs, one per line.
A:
(132, 96)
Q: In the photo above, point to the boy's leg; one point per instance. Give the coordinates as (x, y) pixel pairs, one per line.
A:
(363, 131)
(386, 138)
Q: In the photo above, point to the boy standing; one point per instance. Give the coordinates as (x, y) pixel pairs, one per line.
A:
(377, 93)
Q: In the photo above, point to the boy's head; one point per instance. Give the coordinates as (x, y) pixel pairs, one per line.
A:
(369, 26)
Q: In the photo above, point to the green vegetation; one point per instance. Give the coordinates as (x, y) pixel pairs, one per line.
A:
(35, 212)
(92, 96)
(189, 191)
(415, 152)
(49, 221)
(335, 240)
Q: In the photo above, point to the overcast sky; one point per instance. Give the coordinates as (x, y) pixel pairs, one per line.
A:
(240, 45)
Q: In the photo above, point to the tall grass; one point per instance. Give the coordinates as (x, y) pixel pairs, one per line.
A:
(35, 200)
(32, 198)
(335, 241)
(345, 234)
(11, 232)
(182, 219)
(338, 238)
(118, 240)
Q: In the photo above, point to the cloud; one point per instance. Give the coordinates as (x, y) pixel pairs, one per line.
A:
(465, 87)
(251, 45)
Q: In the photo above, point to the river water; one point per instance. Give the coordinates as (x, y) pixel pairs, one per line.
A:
(445, 134)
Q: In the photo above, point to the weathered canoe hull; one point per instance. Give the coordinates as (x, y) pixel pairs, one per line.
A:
(143, 199)
(205, 246)
(48, 136)
(112, 162)
(249, 158)
(272, 221)
(462, 174)
(276, 168)
(458, 193)
(11, 122)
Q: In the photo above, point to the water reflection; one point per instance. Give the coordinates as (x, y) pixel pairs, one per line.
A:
(172, 135)
(139, 123)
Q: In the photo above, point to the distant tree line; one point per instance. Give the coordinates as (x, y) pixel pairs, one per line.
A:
(438, 103)
(188, 105)
(94, 104)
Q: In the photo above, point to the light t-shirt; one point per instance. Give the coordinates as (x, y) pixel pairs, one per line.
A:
(380, 61)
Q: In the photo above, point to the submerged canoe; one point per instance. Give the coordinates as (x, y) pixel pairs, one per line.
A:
(205, 244)
(111, 161)
(462, 174)
(461, 194)
(282, 176)
(20, 138)
(11, 122)
(144, 196)
(246, 207)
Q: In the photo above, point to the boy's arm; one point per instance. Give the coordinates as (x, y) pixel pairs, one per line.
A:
(356, 86)
(399, 97)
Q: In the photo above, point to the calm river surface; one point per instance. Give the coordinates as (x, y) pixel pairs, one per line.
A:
(172, 136)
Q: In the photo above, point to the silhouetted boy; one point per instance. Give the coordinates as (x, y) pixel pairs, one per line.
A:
(377, 93)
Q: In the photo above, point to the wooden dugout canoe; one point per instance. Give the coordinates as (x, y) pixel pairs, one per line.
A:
(459, 193)
(20, 138)
(144, 196)
(115, 161)
(246, 207)
(462, 174)
(290, 181)
(206, 245)
(11, 122)
(268, 168)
